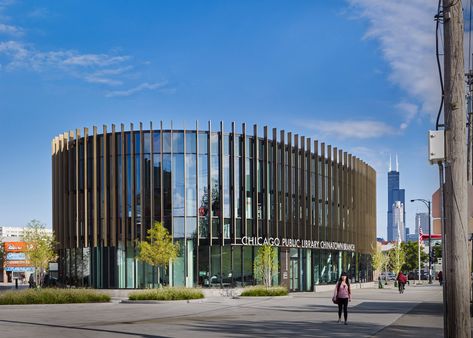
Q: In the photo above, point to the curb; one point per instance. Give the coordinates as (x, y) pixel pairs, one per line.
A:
(201, 300)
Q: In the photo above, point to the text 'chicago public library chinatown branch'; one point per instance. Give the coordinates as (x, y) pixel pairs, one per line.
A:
(221, 195)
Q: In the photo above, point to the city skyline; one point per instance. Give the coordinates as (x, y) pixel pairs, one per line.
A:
(275, 63)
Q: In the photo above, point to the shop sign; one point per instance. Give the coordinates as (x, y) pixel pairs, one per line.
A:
(16, 256)
(15, 246)
(17, 263)
(296, 243)
(19, 269)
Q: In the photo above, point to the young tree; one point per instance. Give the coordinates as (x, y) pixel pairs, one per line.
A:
(39, 247)
(397, 256)
(412, 256)
(265, 265)
(377, 259)
(386, 262)
(158, 250)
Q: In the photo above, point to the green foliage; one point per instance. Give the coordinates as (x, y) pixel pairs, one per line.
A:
(397, 258)
(262, 291)
(411, 250)
(377, 258)
(167, 294)
(265, 265)
(39, 247)
(159, 249)
(52, 296)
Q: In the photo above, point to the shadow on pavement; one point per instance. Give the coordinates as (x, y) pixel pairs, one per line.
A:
(285, 329)
(115, 332)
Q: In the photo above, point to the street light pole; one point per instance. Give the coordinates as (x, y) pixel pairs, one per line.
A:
(427, 204)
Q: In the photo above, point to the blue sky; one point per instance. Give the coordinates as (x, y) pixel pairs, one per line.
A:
(357, 74)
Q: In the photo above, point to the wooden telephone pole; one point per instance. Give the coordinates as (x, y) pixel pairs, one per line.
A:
(456, 220)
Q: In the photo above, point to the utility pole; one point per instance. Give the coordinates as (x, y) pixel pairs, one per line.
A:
(456, 222)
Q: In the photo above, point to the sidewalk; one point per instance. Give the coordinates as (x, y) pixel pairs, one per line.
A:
(373, 312)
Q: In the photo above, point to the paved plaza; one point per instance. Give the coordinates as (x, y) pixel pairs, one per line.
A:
(372, 313)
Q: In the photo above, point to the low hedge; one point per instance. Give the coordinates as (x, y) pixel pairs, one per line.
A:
(52, 296)
(167, 294)
(261, 291)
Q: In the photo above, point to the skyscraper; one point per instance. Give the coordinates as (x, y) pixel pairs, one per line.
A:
(398, 222)
(394, 195)
(422, 219)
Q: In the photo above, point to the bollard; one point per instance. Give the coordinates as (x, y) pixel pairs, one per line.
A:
(16, 283)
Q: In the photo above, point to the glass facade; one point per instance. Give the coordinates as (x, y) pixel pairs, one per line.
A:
(221, 195)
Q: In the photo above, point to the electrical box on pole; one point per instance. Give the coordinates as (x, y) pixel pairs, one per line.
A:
(436, 146)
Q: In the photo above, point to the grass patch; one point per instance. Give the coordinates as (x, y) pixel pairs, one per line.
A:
(261, 291)
(52, 296)
(167, 294)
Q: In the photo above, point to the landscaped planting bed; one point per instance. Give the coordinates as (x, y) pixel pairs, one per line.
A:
(167, 294)
(261, 291)
(52, 296)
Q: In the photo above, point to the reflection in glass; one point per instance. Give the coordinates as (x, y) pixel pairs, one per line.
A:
(214, 143)
(249, 184)
(147, 142)
(167, 142)
(177, 142)
(178, 185)
(156, 142)
(137, 142)
(190, 143)
(191, 227)
(203, 143)
(191, 185)
(178, 227)
(157, 186)
(167, 198)
(214, 184)
(237, 190)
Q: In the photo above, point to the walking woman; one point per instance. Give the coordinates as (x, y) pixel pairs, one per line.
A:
(342, 295)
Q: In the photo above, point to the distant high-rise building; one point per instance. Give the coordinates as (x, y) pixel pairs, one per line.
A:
(398, 221)
(394, 195)
(422, 220)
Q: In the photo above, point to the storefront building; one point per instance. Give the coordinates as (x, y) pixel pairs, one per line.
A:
(14, 262)
(221, 195)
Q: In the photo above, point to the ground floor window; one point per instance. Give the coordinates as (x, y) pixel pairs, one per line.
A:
(209, 266)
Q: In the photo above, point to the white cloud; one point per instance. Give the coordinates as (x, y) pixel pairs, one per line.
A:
(137, 89)
(10, 30)
(92, 68)
(406, 32)
(109, 69)
(88, 60)
(352, 128)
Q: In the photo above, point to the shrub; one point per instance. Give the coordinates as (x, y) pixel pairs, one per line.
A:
(261, 291)
(167, 294)
(52, 296)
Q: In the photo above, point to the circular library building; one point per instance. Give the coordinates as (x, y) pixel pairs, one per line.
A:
(221, 195)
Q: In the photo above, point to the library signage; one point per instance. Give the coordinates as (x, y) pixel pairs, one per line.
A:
(296, 243)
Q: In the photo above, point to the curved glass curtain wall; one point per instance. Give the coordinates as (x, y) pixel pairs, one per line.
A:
(208, 189)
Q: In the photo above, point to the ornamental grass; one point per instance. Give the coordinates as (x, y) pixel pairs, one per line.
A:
(167, 294)
(52, 296)
(263, 291)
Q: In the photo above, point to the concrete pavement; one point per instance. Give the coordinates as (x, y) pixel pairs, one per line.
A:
(372, 313)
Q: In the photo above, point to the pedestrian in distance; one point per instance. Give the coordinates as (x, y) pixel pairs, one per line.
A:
(31, 282)
(401, 281)
(341, 296)
(440, 275)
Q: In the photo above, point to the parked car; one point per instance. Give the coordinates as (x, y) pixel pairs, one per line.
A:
(414, 275)
(388, 276)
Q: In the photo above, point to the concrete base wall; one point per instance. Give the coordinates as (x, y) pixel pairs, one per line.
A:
(216, 292)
